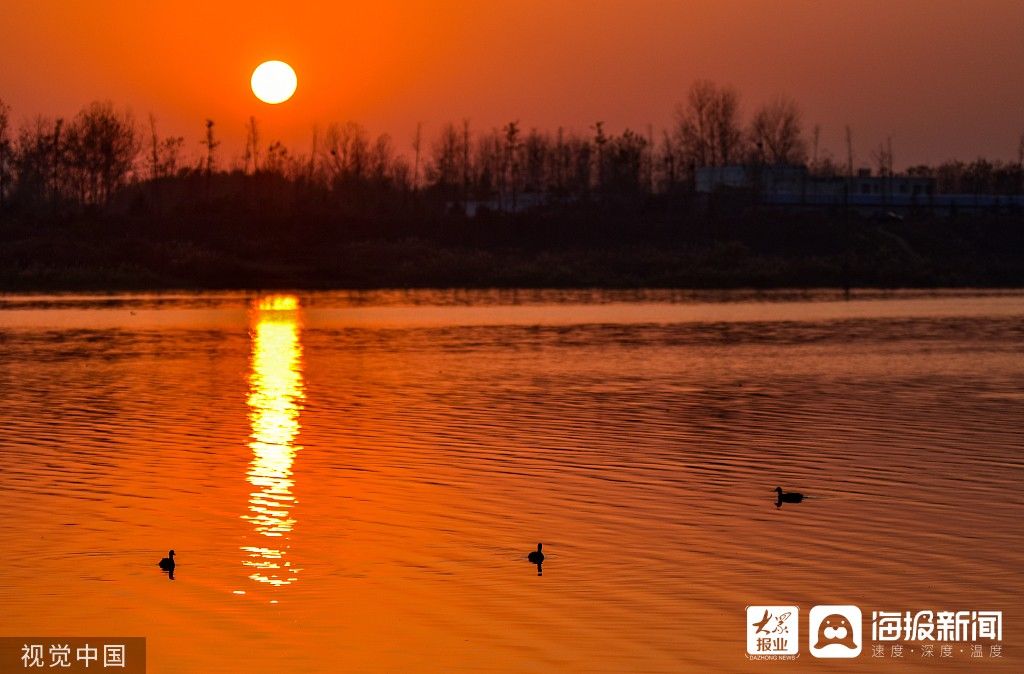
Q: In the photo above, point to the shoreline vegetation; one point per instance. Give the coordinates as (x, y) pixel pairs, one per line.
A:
(101, 202)
(758, 250)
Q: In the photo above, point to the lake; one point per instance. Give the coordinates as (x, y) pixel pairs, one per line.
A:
(352, 481)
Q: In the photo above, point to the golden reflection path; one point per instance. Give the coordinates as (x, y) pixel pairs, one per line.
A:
(275, 401)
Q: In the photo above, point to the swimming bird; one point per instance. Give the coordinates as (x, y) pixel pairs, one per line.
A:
(787, 496)
(536, 557)
(167, 563)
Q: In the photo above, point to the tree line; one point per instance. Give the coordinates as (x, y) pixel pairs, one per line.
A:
(102, 157)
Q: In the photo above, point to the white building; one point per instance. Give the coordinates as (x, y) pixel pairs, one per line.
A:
(794, 187)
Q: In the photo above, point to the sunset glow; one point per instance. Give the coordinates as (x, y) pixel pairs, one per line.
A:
(936, 76)
(525, 335)
(274, 401)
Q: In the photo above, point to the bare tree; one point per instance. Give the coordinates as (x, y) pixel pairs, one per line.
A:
(313, 154)
(56, 158)
(417, 142)
(816, 136)
(1020, 161)
(154, 149)
(535, 160)
(581, 167)
(488, 163)
(849, 152)
(211, 146)
(170, 151)
(278, 161)
(443, 169)
(649, 158)
(624, 160)
(381, 159)
(348, 146)
(883, 158)
(559, 160)
(464, 159)
(669, 162)
(707, 129)
(36, 157)
(600, 140)
(5, 151)
(252, 146)
(101, 147)
(511, 161)
(777, 133)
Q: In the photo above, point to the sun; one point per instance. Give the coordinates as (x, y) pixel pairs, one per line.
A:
(274, 82)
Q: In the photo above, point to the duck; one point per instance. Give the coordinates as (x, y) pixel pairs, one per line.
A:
(167, 563)
(788, 496)
(536, 557)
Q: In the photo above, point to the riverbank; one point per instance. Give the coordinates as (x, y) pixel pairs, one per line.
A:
(773, 253)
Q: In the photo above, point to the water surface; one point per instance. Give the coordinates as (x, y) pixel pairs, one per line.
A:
(352, 480)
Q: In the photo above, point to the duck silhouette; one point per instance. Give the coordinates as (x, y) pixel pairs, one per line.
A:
(787, 497)
(167, 564)
(537, 557)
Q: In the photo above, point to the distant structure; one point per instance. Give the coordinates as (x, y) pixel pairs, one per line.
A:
(523, 202)
(794, 187)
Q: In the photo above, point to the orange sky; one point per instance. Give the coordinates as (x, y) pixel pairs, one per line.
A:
(943, 78)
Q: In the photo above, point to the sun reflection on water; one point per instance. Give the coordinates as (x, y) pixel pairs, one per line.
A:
(275, 401)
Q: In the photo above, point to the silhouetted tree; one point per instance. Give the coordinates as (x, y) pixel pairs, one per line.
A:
(5, 152)
(400, 173)
(883, 158)
(849, 152)
(600, 140)
(252, 146)
(670, 163)
(170, 153)
(354, 183)
(464, 162)
(560, 161)
(511, 173)
(35, 153)
(101, 146)
(708, 128)
(278, 161)
(417, 142)
(580, 176)
(164, 154)
(444, 170)
(624, 164)
(349, 147)
(56, 161)
(42, 172)
(154, 149)
(211, 147)
(777, 134)
(379, 163)
(314, 155)
(534, 162)
(649, 159)
(1020, 161)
